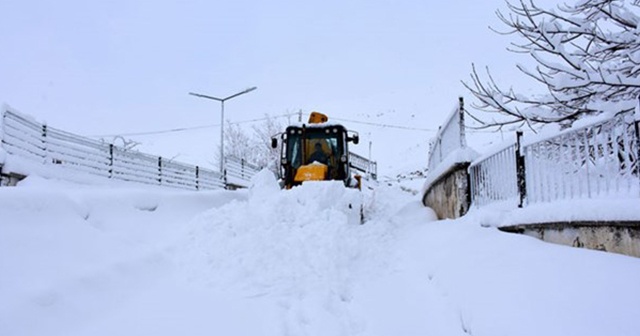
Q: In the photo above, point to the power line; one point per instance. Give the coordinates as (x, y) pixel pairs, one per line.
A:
(173, 130)
(192, 128)
(184, 129)
(388, 125)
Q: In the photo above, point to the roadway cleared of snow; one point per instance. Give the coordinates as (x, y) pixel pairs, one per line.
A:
(86, 260)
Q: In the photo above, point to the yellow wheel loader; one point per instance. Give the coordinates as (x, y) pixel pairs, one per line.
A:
(317, 151)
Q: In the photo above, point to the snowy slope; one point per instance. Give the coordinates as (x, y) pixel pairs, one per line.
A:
(87, 260)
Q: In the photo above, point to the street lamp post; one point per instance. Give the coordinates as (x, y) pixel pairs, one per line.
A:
(222, 100)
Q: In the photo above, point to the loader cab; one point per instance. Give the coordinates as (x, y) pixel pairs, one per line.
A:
(314, 152)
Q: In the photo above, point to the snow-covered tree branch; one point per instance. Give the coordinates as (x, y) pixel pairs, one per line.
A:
(587, 59)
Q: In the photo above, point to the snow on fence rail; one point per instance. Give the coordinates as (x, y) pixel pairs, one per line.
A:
(450, 137)
(25, 138)
(599, 160)
(594, 161)
(239, 169)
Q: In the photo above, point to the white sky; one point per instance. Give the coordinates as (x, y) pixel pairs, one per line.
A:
(127, 66)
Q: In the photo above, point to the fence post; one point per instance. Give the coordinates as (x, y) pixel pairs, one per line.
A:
(160, 170)
(472, 185)
(3, 130)
(587, 159)
(520, 170)
(44, 143)
(110, 160)
(224, 176)
(439, 144)
(224, 173)
(463, 141)
(637, 127)
(242, 168)
(197, 178)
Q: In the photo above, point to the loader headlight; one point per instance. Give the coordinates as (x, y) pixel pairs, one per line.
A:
(343, 159)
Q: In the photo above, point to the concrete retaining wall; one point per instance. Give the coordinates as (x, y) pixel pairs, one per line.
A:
(449, 196)
(8, 178)
(616, 237)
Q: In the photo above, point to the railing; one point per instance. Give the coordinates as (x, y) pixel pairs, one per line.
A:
(599, 160)
(27, 139)
(595, 161)
(450, 137)
(239, 170)
(493, 178)
(363, 165)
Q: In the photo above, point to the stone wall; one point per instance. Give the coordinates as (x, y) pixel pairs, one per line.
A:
(449, 196)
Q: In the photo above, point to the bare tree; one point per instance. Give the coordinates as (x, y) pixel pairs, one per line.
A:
(127, 144)
(253, 147)
(237, 142)
(587, 56)
(267, 156)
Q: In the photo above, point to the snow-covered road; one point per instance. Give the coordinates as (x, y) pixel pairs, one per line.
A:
(95, 260)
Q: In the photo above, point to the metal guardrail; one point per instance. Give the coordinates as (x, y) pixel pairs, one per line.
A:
(25, 138)
(363, 165)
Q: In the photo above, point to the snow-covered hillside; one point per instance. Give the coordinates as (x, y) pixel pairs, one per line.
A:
(100, 260)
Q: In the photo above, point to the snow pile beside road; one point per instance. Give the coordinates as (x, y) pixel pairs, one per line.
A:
(303, 247)
(69, 254)
(84, 260)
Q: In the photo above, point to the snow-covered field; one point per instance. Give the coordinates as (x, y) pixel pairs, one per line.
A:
(83, 259)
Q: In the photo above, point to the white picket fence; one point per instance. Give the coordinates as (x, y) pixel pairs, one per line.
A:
(23, 137)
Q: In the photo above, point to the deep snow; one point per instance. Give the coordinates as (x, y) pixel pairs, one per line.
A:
(100, 260)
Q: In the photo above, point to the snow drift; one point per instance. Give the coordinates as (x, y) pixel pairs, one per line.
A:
(86, 260)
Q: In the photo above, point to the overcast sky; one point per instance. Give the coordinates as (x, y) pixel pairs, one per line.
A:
(127, 66)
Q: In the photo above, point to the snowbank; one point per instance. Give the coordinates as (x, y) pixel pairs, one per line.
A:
(581, 210)
(73, 253)
(89, 260)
